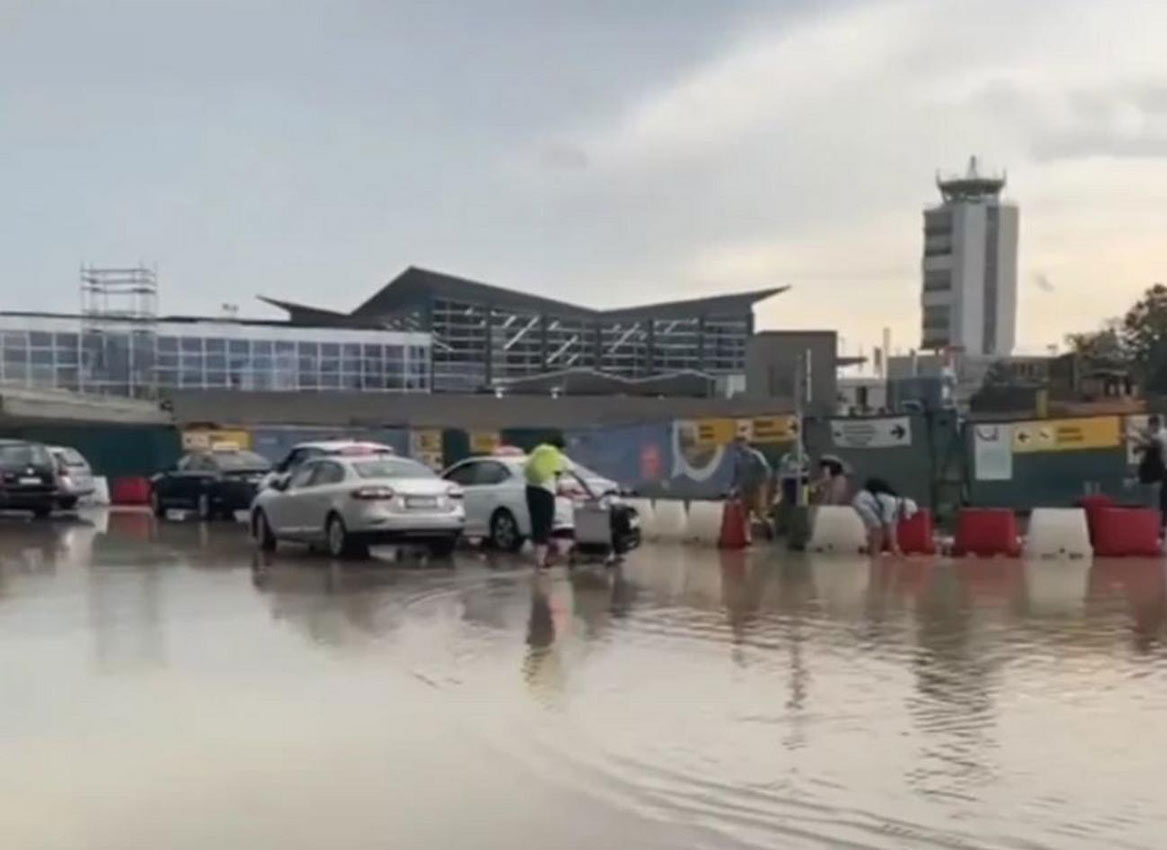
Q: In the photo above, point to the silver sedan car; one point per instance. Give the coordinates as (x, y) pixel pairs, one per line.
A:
(351, 502)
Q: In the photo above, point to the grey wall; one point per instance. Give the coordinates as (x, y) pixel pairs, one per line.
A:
(772, 359)
(469, 412)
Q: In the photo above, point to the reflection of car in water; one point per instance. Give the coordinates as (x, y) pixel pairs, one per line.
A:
(74, 477)
(212, 483)
(28, 478)
(496, 497)
(352, 502)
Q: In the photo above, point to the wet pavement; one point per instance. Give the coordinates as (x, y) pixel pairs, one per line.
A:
(164, 688)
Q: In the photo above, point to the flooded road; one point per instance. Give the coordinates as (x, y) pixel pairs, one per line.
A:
(163, 689)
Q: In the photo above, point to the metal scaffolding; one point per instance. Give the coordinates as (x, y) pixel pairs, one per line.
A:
(119, 319)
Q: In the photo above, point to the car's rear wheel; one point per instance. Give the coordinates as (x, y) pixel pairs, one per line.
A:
(340, 542)
(504, 531)
(261, 530)
(443, 547)
(67, 503)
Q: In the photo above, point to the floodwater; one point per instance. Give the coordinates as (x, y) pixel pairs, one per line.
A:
(162, 689)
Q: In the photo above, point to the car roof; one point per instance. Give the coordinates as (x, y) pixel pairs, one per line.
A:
(330, 445)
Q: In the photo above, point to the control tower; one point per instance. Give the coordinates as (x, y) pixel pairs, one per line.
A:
(969, 282)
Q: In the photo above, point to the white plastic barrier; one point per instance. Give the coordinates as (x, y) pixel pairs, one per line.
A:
(705, 522)
(647, 512)
(672, 522)
(836, 528)
(1058, 533)
(1057, 587)
(100, 494)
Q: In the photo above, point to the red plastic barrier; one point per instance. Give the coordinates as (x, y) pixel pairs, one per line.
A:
(1123, 532)
(986, 532)
(1092, 505)
(916, 535)
(734, 525)
(133, 490)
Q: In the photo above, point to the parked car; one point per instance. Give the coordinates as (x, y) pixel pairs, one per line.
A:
(74, 476)
(496, 497)
(349, 502)
(213, 483)
(301, 453)
(28, 478)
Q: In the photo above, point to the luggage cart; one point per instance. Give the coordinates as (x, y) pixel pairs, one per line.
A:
(606, 528)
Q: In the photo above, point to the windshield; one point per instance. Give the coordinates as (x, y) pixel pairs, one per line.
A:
(393, 468)
(241, 460)
(23, 454)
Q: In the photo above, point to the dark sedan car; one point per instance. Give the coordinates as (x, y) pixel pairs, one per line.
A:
(28, 477)
(212, 483)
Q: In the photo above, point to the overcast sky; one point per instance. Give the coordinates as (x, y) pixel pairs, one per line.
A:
(601, 151)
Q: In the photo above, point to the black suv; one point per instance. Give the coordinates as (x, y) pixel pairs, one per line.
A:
(28, 478)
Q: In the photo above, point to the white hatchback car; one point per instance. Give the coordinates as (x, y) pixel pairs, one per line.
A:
(349, 502)
(74, 477)
(495, 496)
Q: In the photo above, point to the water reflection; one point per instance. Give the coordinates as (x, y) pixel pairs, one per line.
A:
(754, 698)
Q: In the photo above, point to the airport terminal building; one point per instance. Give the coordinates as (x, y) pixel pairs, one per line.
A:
(484, 337)
(424, 332)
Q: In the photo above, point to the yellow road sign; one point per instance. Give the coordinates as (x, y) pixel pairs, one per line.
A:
(774, 429)
(1064, 435)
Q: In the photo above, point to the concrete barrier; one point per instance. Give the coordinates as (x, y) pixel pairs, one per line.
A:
(705, 522)
(836, 528)
(672, 521)
(1058, 532)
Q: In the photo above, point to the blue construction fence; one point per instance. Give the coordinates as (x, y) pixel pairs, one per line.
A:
(938, 459)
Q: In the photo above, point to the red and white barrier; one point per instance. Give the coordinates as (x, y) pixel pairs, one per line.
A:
(1126, 532)
(986, 532)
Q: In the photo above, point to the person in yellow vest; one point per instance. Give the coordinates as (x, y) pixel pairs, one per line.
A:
(543, 469)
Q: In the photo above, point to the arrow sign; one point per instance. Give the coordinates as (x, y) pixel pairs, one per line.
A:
(885, 433)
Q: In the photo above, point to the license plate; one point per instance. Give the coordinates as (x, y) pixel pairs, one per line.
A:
(419, 502)
(29, 480)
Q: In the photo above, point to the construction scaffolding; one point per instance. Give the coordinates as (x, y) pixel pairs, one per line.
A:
(119, 328)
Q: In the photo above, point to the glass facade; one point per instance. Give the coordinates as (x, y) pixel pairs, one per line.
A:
(138, 359)
(475, 346)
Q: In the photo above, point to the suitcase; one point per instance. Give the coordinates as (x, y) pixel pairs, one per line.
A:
(605, 527)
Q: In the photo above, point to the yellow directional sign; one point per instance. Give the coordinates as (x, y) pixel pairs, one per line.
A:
(715, 432)
(1064, 435)
(484, 442)
(774, 429)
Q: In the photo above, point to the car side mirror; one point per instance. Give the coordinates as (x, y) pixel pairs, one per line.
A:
(280, 483)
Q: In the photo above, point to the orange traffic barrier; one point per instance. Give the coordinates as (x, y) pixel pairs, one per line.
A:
(986, 532)
(734, 526)
(916, 535)
(1092, 504)
(131, 490)
(1121, 532)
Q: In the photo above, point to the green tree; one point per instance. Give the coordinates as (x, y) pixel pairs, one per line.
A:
(1105, 344)
(1144, 327)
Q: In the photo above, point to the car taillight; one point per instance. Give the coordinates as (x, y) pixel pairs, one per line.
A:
(373, 493)
(455, 492)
